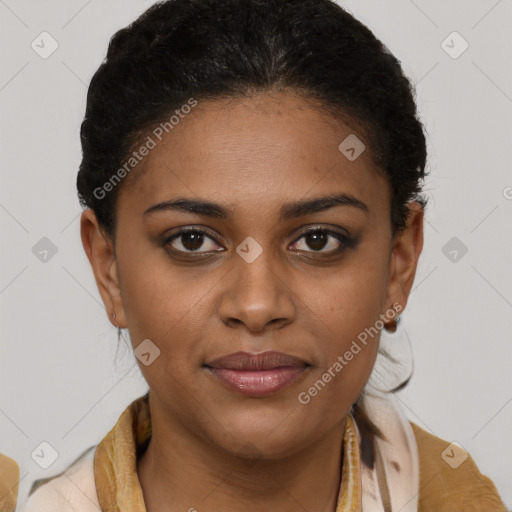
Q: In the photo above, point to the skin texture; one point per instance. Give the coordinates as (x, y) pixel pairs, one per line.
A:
(214, 448)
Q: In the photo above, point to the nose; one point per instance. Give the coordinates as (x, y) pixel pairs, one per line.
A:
(258, 295)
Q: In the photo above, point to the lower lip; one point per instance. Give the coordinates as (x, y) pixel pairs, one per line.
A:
(258, 383)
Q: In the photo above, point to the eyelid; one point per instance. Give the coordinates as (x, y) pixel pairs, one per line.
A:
(334, 230)
(193, 228)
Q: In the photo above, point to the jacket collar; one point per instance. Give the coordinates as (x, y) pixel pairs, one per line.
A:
(115, 463)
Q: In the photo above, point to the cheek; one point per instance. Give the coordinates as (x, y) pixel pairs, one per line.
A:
(162, 301)
(167, 306)
(346, 351)
(350, 301)
(346, 315)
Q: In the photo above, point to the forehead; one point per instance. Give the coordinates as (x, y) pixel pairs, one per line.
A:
(254, 151)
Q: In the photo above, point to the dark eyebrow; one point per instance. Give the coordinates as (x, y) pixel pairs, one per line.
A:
(320, 204)
(288, 211)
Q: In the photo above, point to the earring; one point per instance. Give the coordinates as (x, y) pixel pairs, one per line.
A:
(392, 326)
(114, 315)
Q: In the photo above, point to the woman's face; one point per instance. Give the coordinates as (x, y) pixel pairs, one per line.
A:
(267, 275)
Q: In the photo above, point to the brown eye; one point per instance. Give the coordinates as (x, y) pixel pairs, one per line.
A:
(191, 241)
(316, 240)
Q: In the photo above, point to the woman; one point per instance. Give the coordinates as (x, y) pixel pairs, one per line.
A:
(252, 174)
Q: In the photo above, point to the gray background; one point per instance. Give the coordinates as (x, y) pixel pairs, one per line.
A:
(61, 380)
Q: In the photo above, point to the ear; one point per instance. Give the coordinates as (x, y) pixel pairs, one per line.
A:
(407, 245)
(99, 249)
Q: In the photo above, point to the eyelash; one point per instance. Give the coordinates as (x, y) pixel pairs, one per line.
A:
(346, 242)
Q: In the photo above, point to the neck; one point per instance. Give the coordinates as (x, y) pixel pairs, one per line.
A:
(180, 471)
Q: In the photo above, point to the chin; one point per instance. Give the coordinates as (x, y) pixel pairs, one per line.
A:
(264, 437)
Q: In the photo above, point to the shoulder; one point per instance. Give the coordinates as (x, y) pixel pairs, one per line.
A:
(73, 489)
(450, 479)
(9, 481)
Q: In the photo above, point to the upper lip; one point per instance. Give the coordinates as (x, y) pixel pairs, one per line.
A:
(263, 361)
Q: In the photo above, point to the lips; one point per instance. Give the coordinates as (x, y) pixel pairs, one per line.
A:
(257, 374)
(255, 362)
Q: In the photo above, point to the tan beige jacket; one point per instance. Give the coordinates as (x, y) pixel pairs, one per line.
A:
(105, 477)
